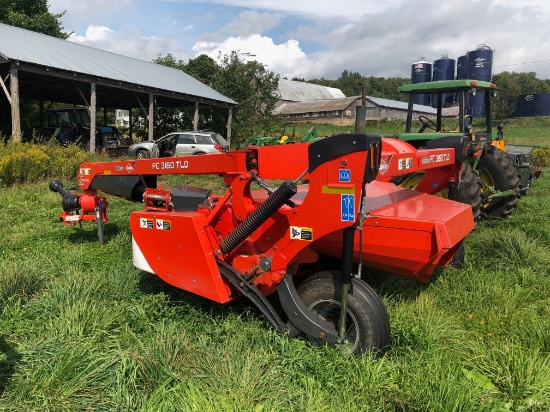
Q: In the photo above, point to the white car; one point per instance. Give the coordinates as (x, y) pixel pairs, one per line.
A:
(180, 144)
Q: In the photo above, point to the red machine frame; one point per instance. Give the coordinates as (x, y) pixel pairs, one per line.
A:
(245, 243)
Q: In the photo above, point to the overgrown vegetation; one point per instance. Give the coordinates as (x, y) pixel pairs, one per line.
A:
(25, 162)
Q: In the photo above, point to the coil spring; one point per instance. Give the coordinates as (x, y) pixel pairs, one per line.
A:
(253, 221)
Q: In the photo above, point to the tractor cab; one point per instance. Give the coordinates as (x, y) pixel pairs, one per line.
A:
(466, 105)
(477, 127)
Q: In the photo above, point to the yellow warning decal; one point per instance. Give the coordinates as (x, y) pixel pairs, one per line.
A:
(338, 190)
(301, 233)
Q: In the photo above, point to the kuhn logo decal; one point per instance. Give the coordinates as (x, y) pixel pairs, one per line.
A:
(384, 165)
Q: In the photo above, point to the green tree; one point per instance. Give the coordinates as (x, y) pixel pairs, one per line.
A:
(167, 119)
(170, 61)
(203, 68)
(350, 83)
(32, 15)
(236, 76)
(254, 89)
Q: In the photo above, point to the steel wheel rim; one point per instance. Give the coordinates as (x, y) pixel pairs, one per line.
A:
(329, 310)
(487, 182)
(413, 180)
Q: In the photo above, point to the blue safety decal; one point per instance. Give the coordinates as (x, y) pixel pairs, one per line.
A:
(344, 176)
(348, 208)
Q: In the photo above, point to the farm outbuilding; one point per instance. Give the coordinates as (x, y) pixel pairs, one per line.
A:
(294, 91)
(307, 102)
(39, 67)
(341, 111)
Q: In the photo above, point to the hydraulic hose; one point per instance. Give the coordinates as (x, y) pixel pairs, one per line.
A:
(69, 202)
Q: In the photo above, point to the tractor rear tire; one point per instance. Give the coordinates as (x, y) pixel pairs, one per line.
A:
(497, 170)
(367, 322)
(469, 190)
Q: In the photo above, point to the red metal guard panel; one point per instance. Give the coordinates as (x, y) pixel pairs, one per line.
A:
(176, 248)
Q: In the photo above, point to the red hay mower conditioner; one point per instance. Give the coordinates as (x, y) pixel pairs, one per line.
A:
(254, 244)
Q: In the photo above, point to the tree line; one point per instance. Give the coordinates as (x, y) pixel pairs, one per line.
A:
(510, 85)
(242, 78)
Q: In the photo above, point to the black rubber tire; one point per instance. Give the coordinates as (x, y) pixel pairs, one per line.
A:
(369, 327)
(142, 154)
(469, 190)
(495, 166)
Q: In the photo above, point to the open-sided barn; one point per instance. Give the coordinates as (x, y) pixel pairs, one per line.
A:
(45, 68)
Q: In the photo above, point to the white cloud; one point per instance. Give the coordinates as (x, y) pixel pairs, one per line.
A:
(388, 43)
(87, 6)
(371, 37)
(285, 59)
(539, 4)
(94, 34)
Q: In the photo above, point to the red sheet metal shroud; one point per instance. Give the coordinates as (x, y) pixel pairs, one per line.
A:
(406, 233)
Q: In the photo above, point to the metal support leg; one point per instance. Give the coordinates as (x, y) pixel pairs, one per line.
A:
(347, 263)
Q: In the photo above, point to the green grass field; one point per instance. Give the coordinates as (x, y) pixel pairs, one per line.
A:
(82, 329)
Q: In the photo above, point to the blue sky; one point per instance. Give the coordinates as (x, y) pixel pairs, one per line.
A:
(316, 38)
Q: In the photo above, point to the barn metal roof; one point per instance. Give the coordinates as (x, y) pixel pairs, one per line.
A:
(395, 104)
(294, 91)
(39, 52)
(314, 106)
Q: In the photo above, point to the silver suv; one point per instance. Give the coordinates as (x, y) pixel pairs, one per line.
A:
(189, 143)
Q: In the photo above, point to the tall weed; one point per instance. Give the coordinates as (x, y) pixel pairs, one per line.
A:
(26, 162)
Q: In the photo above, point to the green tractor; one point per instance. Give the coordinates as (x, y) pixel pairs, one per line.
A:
(310, 136)
(496, 173)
